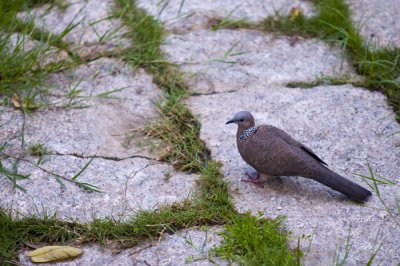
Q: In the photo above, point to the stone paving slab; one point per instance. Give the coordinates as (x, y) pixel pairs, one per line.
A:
(127, 186)
(95, 24)
(186, 247)
(182, 16)
(346, 127)
(229, 60)
(378, 20)
(95, 125)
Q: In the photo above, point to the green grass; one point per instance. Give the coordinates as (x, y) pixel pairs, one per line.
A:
(228, 23)
(374, 181)
(250, 240)
(379, 66)
(323, 80)
(23, 70)
(38, 150)
(331, 22)
(179, 130)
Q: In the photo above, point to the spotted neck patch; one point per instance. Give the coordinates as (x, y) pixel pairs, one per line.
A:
(248, 132)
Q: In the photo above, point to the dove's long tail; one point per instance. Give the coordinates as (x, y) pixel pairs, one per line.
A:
(343, 185)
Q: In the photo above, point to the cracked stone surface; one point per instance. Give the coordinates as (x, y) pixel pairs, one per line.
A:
(347, 127)
(95, 27)
(127, 186)
(182, 16)
(186, 247)
(378, 20)
(95, 125)
(229, 60)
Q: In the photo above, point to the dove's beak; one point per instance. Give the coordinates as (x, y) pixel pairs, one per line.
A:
(230, 121)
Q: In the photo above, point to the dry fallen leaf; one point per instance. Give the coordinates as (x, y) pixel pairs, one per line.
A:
(15, 100)
(19, 102)
(51, 253)
(295, 12)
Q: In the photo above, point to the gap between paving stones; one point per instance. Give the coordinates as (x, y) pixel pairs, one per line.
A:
(104, 157)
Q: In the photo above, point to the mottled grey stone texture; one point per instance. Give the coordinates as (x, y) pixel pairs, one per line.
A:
(228, 60)
(186, 247)
(378, 20)
(182, 16)
(127, 187)
(47, 53)
(94, 125)
(94, 22)
(10, 125)
(347, 127)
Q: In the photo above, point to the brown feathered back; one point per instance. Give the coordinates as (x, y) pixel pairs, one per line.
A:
(272, 151)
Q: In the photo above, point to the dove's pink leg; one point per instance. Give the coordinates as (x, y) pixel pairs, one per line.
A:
(255, 179)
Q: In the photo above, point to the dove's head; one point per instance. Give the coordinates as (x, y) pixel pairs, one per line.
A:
(243, 119)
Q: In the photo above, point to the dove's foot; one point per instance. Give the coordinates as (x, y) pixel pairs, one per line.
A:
(254, 178)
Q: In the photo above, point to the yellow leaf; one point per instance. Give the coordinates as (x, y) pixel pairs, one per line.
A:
(50, 253)
(294, 13)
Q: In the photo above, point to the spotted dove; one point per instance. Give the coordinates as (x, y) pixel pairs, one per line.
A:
(273, 152)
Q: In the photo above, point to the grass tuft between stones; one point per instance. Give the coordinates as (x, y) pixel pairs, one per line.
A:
(251, 240)
(325, 81)
(179, 129)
